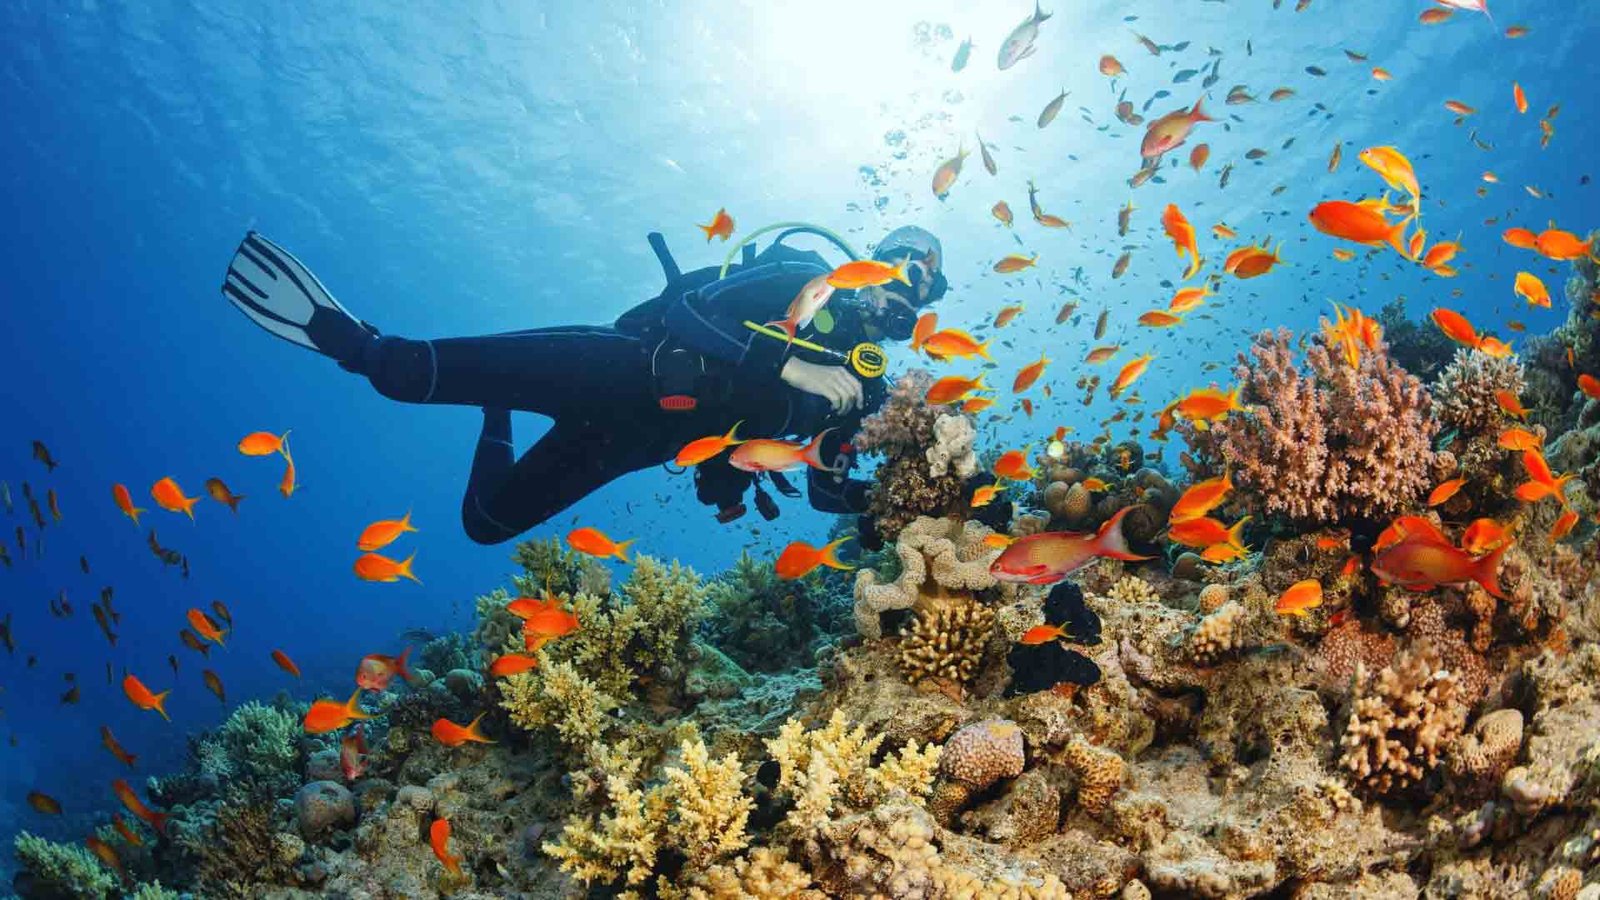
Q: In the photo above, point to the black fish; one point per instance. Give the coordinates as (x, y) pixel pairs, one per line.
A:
(42, 454)
(83, 563)
(5, 635)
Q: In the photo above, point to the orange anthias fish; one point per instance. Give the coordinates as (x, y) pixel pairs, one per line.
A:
(1015, 262)
(1170, 131)
(1130, 373)
(219, 492)
(1198, 156)
(768, 455)
(1459, 108)
(974, 405)
(1188, 298)
(1160, 318)
(701, 449)
(945, 176)
(379, 568)
(285, 663)
(141, 696)
(1396, 171)
(1352, 330)
(1006, 314)
(1040, 634)
(1002, 211)
(1589, 385)
(44, 803)
(124, 501)
(950, 389)
(512, 664)
(1205, 531)
(376, 670)
(1521, 238)
(331, 715)
(1221, 230)
(1101, 354)
(1300, 598)
(1423, 560)
(927, 324)
(439, 840)
(721, 226)
(353, 754)
(800, 559)
(1510, 403)
(204, 626)
(805, 306)
(1183, 238)
(953, 343)
(1562, 246)
(1359, 224)
(1029, 374)
(109, 741)
(1050, 556)
(1484, 535)
(1204, 406)
(287, 485)
(170, 497)
(450, 734)
(1519, 98)
(262, 443)
(1445, 491)
(1110, 66)
(1530, 288)
(126, 831)
(1251, 262)
(1201, 498)
(1456, 327)
(984, 495)
(1519, 439)
(145, 814)
(868, 273)
(546, 624)
(1013, 465)
(383, 532)
(105, 854)
(214, 684)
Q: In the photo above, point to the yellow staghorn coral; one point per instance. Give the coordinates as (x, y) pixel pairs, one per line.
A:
(1401, 724)
(699, 809)
(939, 559)
(765, 874)
(556, 695)
(946, 643)
(819, 767)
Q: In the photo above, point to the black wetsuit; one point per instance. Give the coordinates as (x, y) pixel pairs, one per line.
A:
(602, 387)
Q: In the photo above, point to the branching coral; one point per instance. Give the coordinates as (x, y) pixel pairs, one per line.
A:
(1331, 444)
(556, 695)
(64, 870)
(1217, 634)
(237, 854)
(818, 769)
(938, 559)
(259, 742)
(915, 478)
(698, 810)
(763, 622)
(946, 643)
(1463, 393)
(1401, 724)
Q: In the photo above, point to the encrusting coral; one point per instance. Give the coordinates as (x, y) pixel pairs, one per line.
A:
(972, 760)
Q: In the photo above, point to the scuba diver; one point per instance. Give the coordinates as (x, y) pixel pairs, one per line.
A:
(688, 363)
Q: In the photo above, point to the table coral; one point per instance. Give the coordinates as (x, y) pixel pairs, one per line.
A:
(1327, 444)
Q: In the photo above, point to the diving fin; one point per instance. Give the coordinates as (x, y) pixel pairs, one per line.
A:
(277, 291)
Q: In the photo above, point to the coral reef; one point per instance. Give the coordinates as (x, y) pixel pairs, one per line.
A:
(50, 869)
(767, 624)
(939, 559)
(1401, 723)
(921, 472)
(1331, 444)
(257, 744)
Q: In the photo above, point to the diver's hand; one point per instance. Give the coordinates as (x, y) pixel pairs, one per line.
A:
(834, 384)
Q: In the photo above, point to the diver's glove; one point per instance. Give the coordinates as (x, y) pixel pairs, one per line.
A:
(834, 384)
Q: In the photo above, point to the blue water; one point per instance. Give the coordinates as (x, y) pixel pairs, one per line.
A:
(481, 167)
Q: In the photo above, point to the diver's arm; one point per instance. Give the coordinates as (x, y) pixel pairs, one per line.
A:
(834, 491)
(711, 321)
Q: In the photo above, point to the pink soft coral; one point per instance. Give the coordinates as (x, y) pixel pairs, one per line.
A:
(1334, 444)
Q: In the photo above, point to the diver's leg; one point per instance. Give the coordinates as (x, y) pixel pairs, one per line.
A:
(571, 461)
(553, 371)
(277, 292)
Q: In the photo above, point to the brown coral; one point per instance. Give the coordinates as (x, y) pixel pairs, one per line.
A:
(947, 642)
(1401, 724)
(1464, 392)
(1099, 774)
(903, 431)
(1482, 757)
(1330, 444)
(972, 760)
(1217, 634)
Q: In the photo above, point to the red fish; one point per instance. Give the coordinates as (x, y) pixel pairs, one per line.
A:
(721, 226)
(383, 532)
(1421, 561)
(109, 741)
(512, 664)
(285, 663)
(205, 626)
(1040, 634)
(800, 558)
(353, 754)
(150, 817)
(141, 696)
(1048, 557)
(698, 451)
(376, 670)
(124, 501)
(439, 840)
(1171, 130)
(768, 455)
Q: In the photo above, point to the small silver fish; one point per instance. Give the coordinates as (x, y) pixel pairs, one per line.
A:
(963, 52)
(1048, 114)
(1019, 43)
